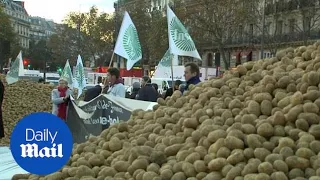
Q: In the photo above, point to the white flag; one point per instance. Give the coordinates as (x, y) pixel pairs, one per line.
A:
(164, 67)
(80, 80)
(67, 74)
(180, 42)
(16, 70)
(128, 44)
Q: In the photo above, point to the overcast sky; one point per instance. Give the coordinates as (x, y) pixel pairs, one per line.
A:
(56, 10)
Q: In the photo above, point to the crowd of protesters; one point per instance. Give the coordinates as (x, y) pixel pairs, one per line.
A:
(114, 85)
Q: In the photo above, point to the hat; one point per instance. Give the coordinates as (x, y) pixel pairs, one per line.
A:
(63, 79)
(136, 85)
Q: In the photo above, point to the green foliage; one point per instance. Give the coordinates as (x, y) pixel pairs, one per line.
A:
(6, 30)
(7, 33)
(95, 36)
(38, 53)
(64, 45)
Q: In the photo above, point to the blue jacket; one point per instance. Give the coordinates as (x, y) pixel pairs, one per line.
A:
(194, 80)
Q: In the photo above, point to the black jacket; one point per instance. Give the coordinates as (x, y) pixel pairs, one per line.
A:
(1, 100)
(92, 93)
(148, 93)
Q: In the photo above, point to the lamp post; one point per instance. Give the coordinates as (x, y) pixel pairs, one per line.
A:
(263, 29)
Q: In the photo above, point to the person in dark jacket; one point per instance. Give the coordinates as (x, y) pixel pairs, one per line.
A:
(170, 91)
(147, 92)
(191, 74)
(1, 100)
(93, 92)
(156, 87)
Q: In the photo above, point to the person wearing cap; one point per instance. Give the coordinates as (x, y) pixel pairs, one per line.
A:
(60, 98)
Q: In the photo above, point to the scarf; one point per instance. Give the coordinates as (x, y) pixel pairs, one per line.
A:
(62, 108)
(118, 81)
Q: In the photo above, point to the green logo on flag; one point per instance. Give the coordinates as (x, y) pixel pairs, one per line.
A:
(131, 43)
(166, 60)
(14, 69)
(181, 37)
(80, 75)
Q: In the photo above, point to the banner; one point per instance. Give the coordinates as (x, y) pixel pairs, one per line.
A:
(93, 117)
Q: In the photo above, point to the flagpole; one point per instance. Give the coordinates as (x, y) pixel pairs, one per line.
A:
(111, 59)
(104, 82)
(171, 57)
(154, 71)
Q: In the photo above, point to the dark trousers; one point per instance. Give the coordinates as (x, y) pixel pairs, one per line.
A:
(1, 124)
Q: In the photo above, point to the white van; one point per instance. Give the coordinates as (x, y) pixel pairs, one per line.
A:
(52, 78)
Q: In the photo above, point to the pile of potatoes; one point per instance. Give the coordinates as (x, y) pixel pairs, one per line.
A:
(258, 122)
(21, 99)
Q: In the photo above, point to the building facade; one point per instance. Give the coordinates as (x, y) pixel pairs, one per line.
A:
(271, 25)
(287, 23)
(20, 20)
(41, 29)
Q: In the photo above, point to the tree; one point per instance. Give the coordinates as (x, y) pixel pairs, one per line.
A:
(268, 34)
(8, 38)
(217, 21)
(95, 33)
(310, 18)
(63, 45)
(158, 36)
(38, 54)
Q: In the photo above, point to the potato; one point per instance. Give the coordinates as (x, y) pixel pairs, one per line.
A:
(297, 162)
(258, 121)
(166, 174)
(178, 176)
(217, 164)
(280, 165)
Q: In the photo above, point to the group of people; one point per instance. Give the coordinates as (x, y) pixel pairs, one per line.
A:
(113, 85)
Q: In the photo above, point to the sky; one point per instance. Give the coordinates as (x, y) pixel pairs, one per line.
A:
(57, 10)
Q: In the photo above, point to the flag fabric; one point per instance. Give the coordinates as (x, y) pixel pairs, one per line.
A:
(180, 42)
(128, 44)
(16, 70)
(166, 60)
(67, 74)
(164, 66)
(80, 80)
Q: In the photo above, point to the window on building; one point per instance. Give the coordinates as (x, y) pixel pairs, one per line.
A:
(251, 29)
(240, 31)
(292, 24)
(306, 24)
(268, 27)
(210, 60)
(279, 27)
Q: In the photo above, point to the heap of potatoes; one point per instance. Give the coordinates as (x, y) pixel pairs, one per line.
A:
(258, 122)
(21, 99)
